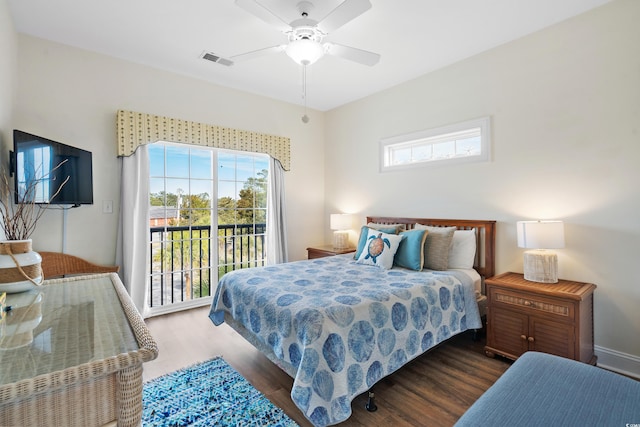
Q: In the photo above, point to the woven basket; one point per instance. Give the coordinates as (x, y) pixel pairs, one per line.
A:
(20, 267)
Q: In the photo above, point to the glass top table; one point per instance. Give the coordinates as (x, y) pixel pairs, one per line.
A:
(84, 327)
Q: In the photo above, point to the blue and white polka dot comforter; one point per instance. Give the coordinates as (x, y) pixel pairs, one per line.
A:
(343, 326)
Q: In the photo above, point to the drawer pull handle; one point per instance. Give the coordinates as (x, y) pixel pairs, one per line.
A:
(524, 337)
(531, 339)
(527, 303)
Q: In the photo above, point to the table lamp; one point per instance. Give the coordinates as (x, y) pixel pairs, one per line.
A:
(540, 263)
(341, 223)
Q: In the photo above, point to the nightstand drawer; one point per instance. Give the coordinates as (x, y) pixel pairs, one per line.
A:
(535, 303)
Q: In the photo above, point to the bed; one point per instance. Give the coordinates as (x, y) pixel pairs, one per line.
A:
(338, 325)
(541, 389)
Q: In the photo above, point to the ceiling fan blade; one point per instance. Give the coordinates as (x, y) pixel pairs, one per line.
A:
(352, 54)
(261, 12)
(257, 53)
(348, 10)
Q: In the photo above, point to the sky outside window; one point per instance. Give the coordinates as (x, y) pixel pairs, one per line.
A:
(189, 169)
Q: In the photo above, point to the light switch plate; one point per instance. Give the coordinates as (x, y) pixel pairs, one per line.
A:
(107, 206)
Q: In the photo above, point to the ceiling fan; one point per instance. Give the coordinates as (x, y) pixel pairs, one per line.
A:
(305, 35)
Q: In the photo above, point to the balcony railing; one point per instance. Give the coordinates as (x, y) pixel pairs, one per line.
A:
(181, 265)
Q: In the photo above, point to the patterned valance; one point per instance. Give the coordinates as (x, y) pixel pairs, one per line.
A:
(135, 129)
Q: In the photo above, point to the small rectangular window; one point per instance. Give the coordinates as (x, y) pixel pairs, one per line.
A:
(462, 142)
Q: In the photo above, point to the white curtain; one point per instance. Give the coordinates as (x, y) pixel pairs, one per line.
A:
(276, 219)
(133, 229)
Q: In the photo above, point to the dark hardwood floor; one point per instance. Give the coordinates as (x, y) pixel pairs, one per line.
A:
(433, 390)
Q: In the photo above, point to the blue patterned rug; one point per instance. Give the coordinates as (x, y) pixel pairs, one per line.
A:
(210, 393)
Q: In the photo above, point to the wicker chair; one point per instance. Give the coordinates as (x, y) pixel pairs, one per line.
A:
(56, 264)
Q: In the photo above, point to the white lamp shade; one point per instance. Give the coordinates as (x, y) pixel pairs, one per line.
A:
(341, 221)
(540, 234)
(304, 51)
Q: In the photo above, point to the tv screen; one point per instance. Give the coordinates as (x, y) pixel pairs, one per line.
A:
(41, 167)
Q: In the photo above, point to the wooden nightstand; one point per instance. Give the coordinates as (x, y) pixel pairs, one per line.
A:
(554, 318)
(326, 250)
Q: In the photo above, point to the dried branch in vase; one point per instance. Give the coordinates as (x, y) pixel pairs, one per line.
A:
(19, 220)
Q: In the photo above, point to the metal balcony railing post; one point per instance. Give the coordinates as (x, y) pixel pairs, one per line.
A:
(171, 240)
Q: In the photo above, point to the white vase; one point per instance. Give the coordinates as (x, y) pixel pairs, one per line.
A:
(20, 266)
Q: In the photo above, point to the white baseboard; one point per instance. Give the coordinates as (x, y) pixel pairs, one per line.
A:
(617, 361)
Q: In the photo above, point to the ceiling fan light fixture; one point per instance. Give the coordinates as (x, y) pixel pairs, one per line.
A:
(304, 51)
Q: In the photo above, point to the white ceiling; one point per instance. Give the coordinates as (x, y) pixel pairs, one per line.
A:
(413, 37)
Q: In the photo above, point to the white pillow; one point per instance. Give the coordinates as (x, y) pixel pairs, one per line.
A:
(379, 249)
(462, 253)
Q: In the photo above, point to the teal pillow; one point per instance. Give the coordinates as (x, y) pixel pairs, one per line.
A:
(410, 253)
(380, 249)
(362, 240)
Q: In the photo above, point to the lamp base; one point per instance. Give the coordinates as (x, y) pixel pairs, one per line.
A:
(340, 239)
(541, 266)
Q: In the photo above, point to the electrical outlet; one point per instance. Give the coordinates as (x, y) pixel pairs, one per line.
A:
(107, 206)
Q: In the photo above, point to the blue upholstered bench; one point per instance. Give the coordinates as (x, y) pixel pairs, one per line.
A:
(544, 390)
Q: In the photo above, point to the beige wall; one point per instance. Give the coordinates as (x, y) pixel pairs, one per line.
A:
(7, 78)
(70, 95)
(565, 109)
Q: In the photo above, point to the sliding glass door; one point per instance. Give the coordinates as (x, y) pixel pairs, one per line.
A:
(207, 217)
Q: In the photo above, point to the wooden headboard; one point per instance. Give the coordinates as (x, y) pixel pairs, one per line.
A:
(485, 262)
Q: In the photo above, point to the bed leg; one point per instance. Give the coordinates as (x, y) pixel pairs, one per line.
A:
(476, 335)
(371, 404)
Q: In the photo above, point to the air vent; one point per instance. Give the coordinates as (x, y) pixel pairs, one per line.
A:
(209, 56)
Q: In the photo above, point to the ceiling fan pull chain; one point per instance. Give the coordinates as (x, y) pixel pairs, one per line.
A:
(305, 118)
(304, 85)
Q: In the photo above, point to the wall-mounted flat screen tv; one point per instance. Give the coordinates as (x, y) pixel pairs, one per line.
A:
(41, 166)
